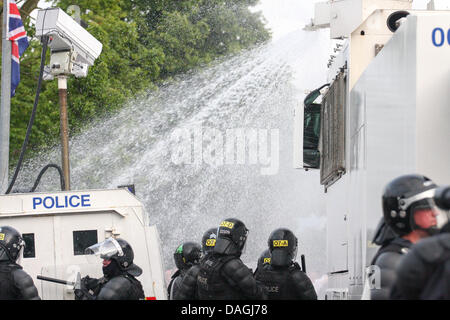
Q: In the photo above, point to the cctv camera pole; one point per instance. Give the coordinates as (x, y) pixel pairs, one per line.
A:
(73, 49)
(5, 103)
(64, 128)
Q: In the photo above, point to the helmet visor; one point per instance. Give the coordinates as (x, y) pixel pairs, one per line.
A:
(104, 250)
(426, 195)
(427, 215)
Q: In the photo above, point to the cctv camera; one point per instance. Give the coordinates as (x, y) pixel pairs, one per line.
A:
(65, 34)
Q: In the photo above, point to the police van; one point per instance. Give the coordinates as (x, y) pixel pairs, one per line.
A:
(58, 227)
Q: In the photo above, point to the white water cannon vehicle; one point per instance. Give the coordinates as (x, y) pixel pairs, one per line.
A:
(58, 227)
(384, 112)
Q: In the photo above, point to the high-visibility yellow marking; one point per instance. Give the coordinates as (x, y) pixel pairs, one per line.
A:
(280, 243)
(227, 224)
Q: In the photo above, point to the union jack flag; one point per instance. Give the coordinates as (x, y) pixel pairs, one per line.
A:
(19, 42)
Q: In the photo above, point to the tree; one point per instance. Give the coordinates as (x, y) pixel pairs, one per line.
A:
(144, 42)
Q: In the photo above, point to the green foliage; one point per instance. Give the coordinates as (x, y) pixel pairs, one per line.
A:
(144, 43)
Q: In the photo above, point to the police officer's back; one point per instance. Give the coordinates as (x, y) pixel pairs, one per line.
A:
(188, 286)
(408, 212)
(119, 281)
(424, 273)
(283, 277)
(15, 283)
(222, 275)
(186, 256)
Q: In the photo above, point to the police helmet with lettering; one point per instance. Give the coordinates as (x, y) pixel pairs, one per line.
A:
(402, 197)
(283, 245)
(231, 237)
(264, 259)
(11, 243)
(209, 240)
(187, 255)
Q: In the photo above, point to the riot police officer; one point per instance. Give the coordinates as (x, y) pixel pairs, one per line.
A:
(188, 286)
(186, 256)
(408, 209)
(283, 277)
(119, 273)
(15, 283)
(222, 274)
(424, 273)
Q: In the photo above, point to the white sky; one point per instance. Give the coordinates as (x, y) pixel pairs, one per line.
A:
(284, 16)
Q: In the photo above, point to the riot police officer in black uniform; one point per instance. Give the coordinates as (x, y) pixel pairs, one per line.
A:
(15, 283)
(188, 286)
(186, 256)
(222, 275)
(119, 274)
(424, 273)
(407, 210)
(283, 277)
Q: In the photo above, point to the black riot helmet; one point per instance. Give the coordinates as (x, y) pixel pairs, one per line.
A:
(118, 250)
(403, 197)
(11, 244)
(209, 240)
(187, 254)
(231, 237)
(283, 245)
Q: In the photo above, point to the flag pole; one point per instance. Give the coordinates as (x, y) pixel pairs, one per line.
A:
(5, 102)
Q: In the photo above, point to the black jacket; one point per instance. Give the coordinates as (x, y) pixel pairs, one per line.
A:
(16, 284)
(387, 260)
(424, 273)
(122, 287)
(286, 283)
(187, 289)
(119, 287)
(174, 284)
(225, 277)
